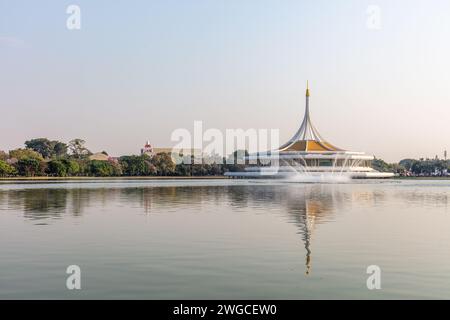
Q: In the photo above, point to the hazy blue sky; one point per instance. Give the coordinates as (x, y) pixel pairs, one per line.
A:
(137, 70)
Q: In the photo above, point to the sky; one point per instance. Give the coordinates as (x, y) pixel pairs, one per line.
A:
(138, 70)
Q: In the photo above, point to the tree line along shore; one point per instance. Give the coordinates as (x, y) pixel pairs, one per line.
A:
(46, 158)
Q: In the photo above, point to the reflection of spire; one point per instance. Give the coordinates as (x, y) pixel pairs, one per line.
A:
(306, 239)
(311, 209)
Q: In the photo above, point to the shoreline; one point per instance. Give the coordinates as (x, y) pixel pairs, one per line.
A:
(166, 178)
(422, 178)
(113, 178)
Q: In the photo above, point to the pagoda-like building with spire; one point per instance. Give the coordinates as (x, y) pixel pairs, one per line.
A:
(309, 154)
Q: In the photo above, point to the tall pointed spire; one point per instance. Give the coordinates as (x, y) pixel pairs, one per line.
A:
(307, 138)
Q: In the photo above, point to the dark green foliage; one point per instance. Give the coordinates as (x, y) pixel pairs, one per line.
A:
(236, 162)
(136, 165)
(57, 168)
(426, 167)
(63, 168)
(104, 169)
(381, 165)
(47, 148)
(29, 167)
(73, 167)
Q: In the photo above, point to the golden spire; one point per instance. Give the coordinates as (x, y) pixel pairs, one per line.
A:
(307, 88)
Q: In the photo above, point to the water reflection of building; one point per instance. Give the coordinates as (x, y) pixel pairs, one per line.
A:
(314, 206)
(307, 206)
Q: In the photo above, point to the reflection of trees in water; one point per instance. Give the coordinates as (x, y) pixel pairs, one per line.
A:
(151, 197)
(306, 206)
(3, 200)
(52, 202)
(38, 204)
(162, 198)
(79, 200)
(43, 203)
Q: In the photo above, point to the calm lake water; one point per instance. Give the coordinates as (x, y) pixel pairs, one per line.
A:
(208, 239)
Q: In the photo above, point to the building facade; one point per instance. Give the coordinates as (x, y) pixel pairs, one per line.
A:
(309, 154)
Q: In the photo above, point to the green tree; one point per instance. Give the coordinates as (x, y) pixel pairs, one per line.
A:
(57, 168)
(72, 166)
(236, 161)
(83, 167)
(200, 170)
(398, 168)
(47, 148)
(29, 167)
(59, 149)
(41, 146)
(381, 165)
(407, 163)
(136, 165)
(164, 164)
(6, 169)
(99, 168)
(426, 167)
(183, 169)
(25, 153)
(78, 149)
(103, 168)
